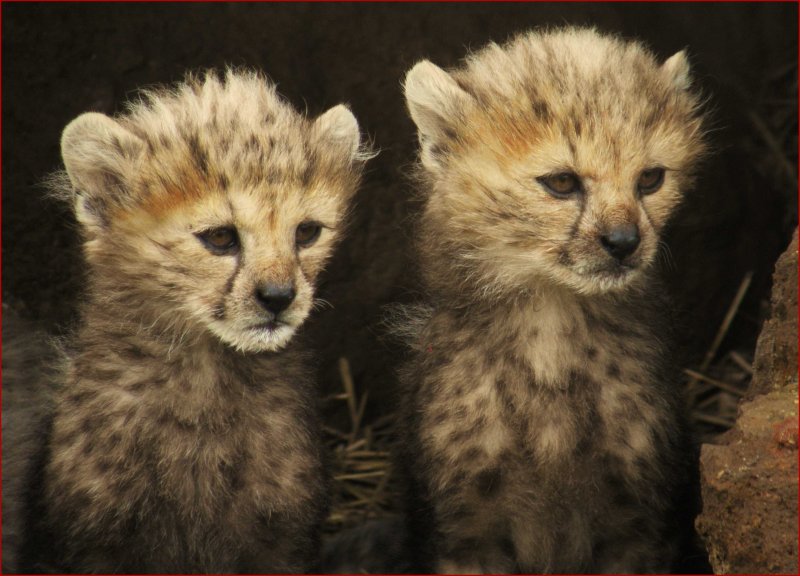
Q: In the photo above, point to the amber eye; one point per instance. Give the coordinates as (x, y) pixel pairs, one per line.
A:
(220, 241)
(307, 233)
(562, 185)
(650, 180)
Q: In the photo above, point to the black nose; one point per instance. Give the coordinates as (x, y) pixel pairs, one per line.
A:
(275, 298)
(621, 241)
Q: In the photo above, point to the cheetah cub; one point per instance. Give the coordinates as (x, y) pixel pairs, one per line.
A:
(543, 426)
(184, 436)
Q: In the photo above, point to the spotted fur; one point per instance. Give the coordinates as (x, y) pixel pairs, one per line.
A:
(542, 420)
(185, 436)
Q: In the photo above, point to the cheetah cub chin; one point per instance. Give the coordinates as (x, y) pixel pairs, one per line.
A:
(543, 419)
(184, 436)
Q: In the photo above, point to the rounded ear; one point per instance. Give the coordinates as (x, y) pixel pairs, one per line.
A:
(339, 126)
(436, 102)
(99, 156)
(676, 69)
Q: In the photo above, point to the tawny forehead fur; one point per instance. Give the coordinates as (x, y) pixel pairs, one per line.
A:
(566, 86)
(212, 138)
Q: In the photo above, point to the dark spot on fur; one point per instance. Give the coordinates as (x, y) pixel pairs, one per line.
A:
(472, 453)
(165, 142)
(540, 109)
(138, 386)
(117, 145)
(82, 397)
(449, 133)
(479, 424)
(136, 352)
(92, 424)
(232, 474)
(459, 436)
(88, 446)
(66, 438)
(222, 182)
(199, 154)
(630, 407)
(591, 352)
(579, 382)
(225, 144)
(488, 482)
(167, 420)
(437, 150)
(612, 370)
(307, 171)
(577, 125)
(252, 144)
(438, 418)
(151, 144)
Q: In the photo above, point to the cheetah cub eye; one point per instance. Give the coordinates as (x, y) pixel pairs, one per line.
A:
(307, 233)
(561, 185)
(650, 180)
(222, 241)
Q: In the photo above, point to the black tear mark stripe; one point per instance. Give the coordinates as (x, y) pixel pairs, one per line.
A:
(576, 226)
(232, 279)
(219, 309)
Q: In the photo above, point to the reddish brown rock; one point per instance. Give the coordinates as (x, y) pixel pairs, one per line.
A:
(775, 363)
(750, 480)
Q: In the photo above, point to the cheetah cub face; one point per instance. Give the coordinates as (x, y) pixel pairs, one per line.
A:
(545, 162)
(218, 201)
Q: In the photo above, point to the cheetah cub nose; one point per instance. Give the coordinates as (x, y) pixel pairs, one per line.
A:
(275, 298)
(621, 241)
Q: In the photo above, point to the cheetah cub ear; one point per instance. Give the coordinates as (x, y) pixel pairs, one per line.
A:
(339, 127)
(676, 69)
(438, 107)
(99, 155)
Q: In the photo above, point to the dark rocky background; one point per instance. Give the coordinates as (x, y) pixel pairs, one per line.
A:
(63, 59)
